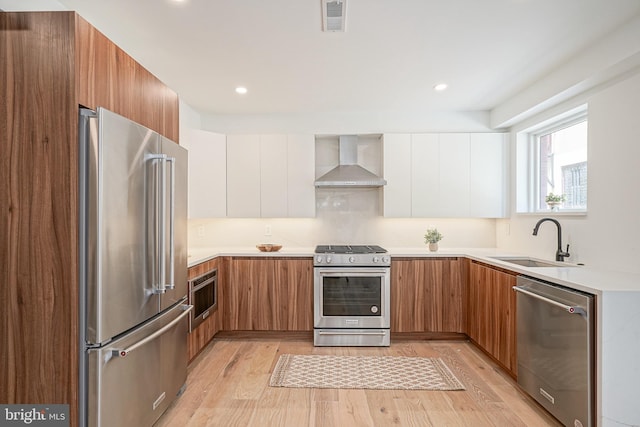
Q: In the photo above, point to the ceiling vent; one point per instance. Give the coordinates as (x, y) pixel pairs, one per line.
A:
(333, 15)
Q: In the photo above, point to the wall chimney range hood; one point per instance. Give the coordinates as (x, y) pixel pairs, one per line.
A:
(349, 173)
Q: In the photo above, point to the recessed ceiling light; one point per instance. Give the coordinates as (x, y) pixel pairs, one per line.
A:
(440, 87)
(241, 90)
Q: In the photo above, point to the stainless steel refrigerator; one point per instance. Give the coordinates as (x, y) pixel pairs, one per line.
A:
(133, 271)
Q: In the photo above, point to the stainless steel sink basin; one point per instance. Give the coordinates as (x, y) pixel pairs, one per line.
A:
(531, 262)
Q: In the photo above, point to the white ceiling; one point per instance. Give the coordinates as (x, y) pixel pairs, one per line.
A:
(388, 60)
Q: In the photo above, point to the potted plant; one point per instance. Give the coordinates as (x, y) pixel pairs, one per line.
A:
(432, 237)
(555, 200)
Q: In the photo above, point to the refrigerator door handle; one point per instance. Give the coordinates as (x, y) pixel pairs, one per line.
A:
(161, 212)
(172, 217)
(124, 352)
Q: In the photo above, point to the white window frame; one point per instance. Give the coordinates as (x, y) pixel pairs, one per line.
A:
(531, 151)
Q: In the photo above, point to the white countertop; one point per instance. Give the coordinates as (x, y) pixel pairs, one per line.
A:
(199, 255)
(577, 277)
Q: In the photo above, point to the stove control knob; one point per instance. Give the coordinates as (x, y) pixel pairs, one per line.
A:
(352, 259)
(328, 260)
(386, 259)
(376, 260)
(319, 259)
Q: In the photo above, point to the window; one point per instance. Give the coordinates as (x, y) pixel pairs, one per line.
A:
(556, 165)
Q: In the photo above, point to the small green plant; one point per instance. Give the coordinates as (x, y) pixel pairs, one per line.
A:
(555, 198)
(432, 236)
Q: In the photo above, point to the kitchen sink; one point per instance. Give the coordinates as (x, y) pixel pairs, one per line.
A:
(531, 262)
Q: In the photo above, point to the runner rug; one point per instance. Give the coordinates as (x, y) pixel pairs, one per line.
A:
(366, 372)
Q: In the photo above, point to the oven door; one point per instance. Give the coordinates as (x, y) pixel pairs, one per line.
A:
(354, 298)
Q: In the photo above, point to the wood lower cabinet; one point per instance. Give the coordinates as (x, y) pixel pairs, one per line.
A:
(268, 294)
(428, 295)
(200, 336)
(492, 313)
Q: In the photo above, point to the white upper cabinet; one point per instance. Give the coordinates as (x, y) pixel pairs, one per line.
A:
(243, 176)
(454, 157)
(396, 158)
(301, 191)
(273, 176)
(207, 173)
(445, 175)
(425, 166)
(488, 175)
(270, 176)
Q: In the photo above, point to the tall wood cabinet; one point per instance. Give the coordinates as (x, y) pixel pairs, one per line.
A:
(51, 63)
(428, 295)
(492, 312)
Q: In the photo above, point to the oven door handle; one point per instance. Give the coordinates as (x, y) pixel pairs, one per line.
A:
(363, 271)
(378, 333)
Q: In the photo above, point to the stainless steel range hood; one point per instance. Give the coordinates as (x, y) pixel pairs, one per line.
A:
(349, 173)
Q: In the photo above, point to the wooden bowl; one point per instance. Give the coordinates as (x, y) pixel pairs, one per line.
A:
(268, 247)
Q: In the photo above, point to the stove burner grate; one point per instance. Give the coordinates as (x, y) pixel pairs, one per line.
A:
(349, 249)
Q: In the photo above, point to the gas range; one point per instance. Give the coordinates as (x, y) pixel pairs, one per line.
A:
(352, 294)
(351, 255)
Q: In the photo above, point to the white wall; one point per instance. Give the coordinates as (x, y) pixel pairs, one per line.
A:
(349, 123)
(608, 237)
(189, 119)
(601, 61)
(351, 216)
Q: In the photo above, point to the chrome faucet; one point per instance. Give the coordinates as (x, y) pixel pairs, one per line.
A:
(560, 254)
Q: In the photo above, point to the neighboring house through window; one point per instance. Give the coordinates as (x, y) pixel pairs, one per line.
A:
(555, 155)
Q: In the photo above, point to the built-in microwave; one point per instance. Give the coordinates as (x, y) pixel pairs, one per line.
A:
(203, 295)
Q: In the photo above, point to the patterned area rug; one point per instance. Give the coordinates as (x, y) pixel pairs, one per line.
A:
(370, 372)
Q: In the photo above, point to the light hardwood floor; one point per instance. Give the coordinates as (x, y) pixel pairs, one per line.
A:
(228, 382)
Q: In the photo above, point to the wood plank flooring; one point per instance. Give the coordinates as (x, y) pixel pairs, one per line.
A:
(227, 385)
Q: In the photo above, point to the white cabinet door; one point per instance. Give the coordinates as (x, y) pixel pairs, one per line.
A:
(454, 175)
(425, 175)
(487, 175)
(207, 173)
(243, 176)
(273, 176)
(301, 190)
(270, 176)
(396, 160)
(445, 175)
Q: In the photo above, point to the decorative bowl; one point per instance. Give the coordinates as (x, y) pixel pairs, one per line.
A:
(268, 247)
